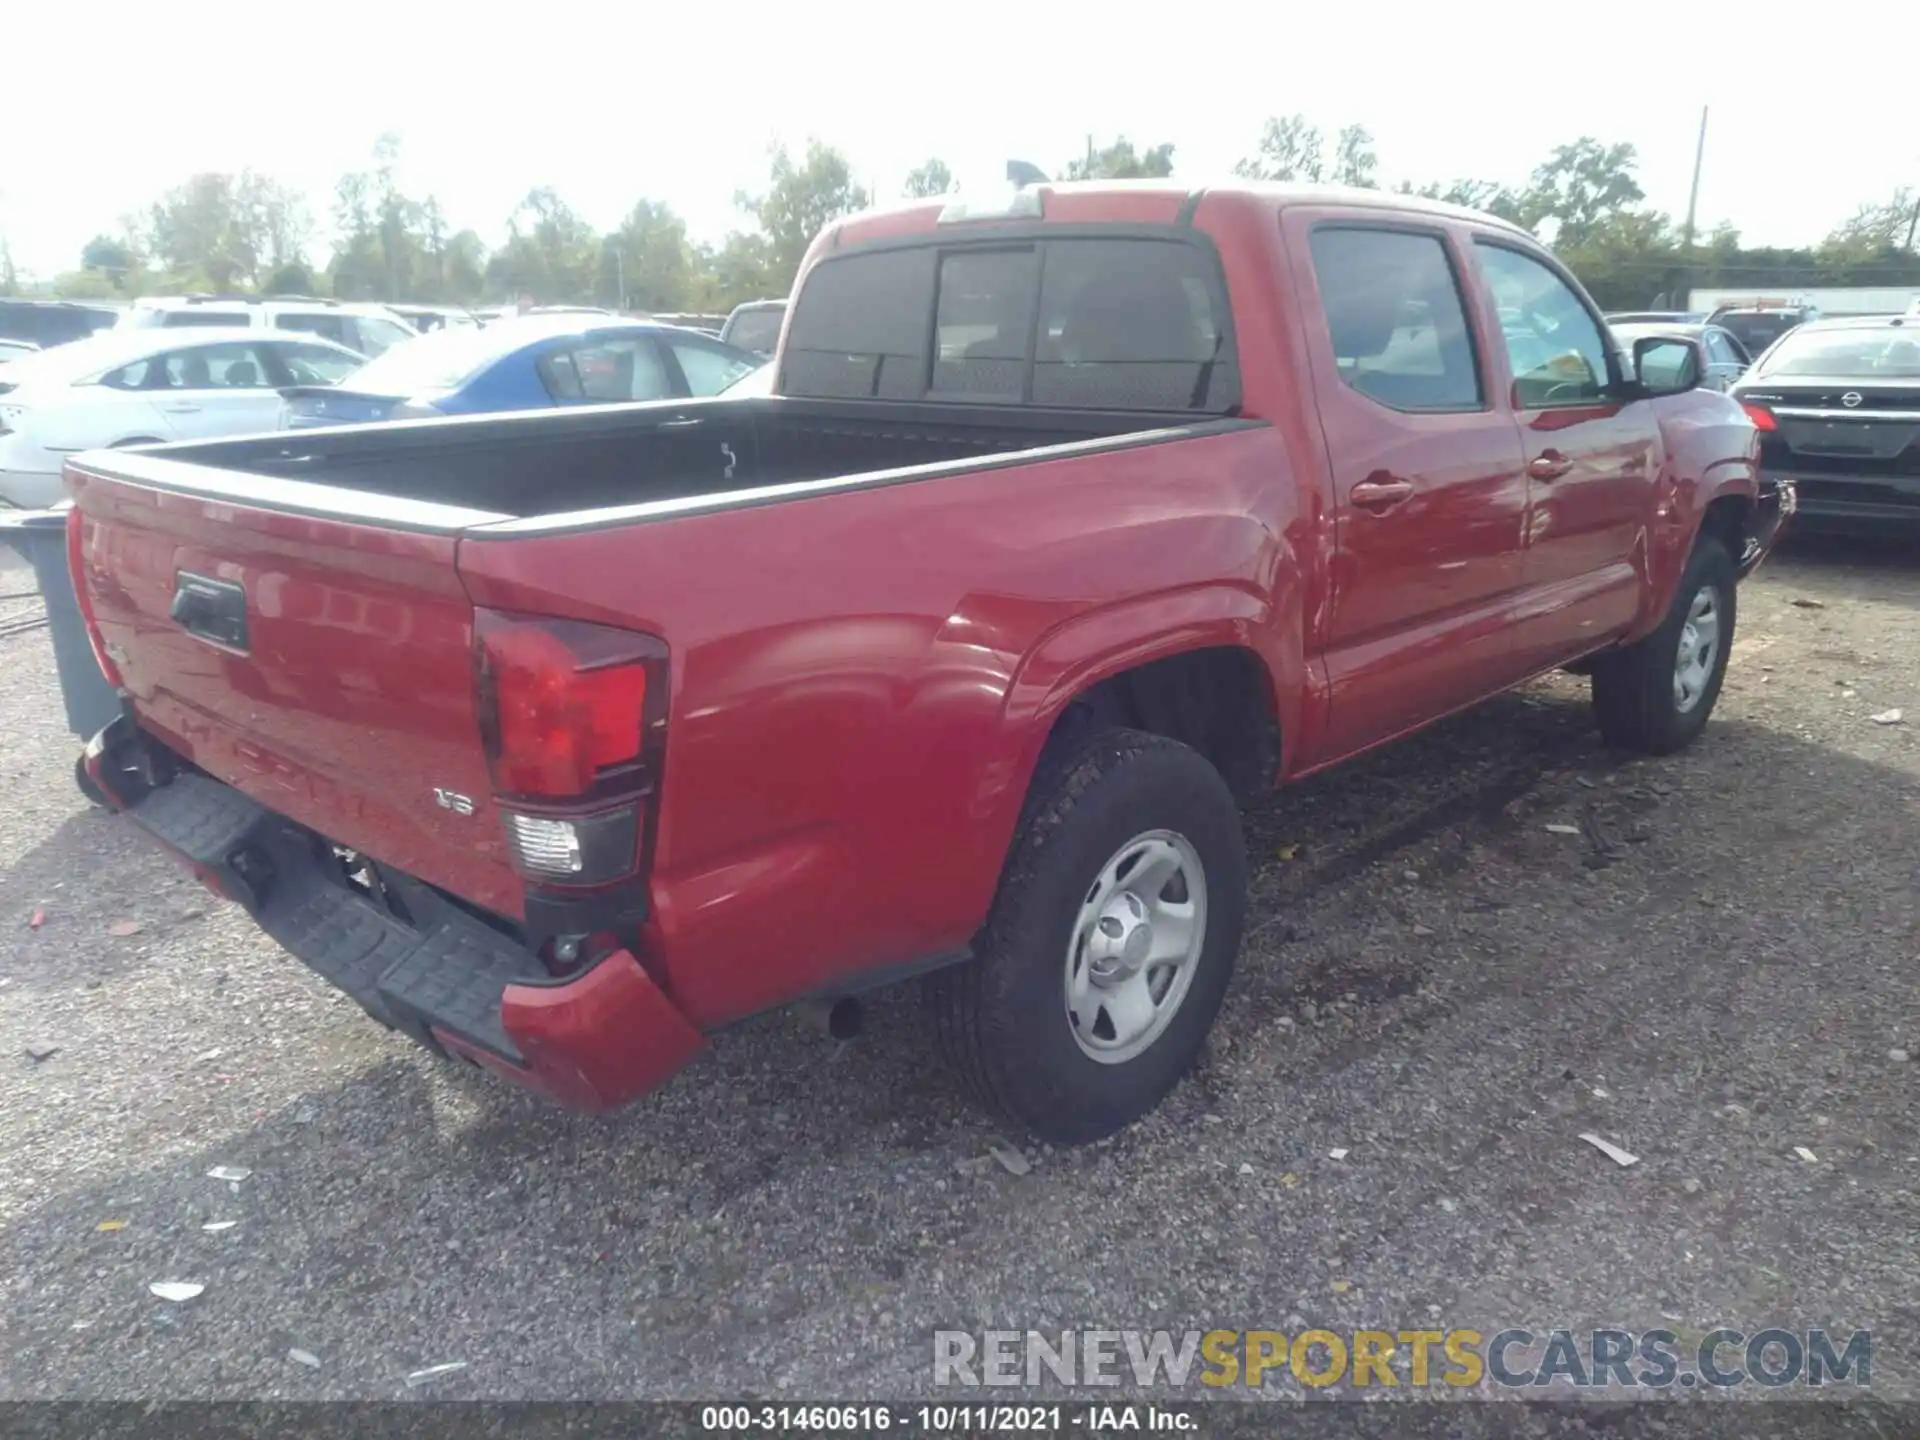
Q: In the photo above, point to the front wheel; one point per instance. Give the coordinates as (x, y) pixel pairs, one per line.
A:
(1655, 696)
(1110, 943)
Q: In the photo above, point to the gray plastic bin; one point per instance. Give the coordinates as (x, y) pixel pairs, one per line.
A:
(40, 536)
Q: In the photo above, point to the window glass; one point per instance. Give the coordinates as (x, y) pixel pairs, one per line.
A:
(198, 316)
(860, 327)
(377, 336)
(235, 366)
(755, 330)
(710, 368)
(1395, 318)
(1553, 342)
(605, 372)
(1863, 354)
(984, 323)
(328, 327)
(1128, 325)
(311, 365)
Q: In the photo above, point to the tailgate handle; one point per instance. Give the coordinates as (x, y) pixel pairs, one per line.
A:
(214, 610)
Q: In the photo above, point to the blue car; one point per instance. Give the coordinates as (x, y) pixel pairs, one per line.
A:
(527, 363)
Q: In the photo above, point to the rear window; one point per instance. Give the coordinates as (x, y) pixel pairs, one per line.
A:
(1852, 354)
(756, 330)
(444, 360)
(47, 325)
(228, 318)
(1120, 323)
(1757, 332)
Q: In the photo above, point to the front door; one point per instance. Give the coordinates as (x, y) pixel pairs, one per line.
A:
(1429, 494)
(1592, 457)
(206, 391)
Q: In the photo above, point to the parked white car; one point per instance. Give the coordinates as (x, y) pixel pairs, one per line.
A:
(368, 329)
(141, 387)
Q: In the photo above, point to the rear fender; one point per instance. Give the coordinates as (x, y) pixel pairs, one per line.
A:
(1704, 463)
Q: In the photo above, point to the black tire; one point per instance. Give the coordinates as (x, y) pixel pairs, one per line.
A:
(1002, 1019)
(87, 787)
(1633, 689)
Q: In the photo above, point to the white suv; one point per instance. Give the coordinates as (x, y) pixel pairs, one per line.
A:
(368, 329)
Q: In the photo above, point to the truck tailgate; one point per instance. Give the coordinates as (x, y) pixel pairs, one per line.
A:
(322, 665)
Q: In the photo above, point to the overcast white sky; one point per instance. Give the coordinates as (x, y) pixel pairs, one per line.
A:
(104, 109)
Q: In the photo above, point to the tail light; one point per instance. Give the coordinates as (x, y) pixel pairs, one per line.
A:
(1762, 417)
(572, 717)
(77, 570)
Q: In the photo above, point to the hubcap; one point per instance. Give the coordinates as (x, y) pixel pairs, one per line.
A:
(1135, 946)
(1699, 644)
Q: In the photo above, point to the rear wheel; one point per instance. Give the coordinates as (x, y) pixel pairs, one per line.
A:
(1110, 943)
(1655, 696)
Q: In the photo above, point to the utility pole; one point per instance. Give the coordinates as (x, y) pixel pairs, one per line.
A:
(1693, 204)
(1914, 223)
(620, 275)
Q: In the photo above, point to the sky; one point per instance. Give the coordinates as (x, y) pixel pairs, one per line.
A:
(106, 109)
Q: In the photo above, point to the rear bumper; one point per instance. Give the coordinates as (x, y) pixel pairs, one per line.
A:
(1868, 504)
(1774, 511)
(411, 958)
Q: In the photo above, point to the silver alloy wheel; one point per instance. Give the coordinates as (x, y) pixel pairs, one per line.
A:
(1699, 645)
(1135, 946)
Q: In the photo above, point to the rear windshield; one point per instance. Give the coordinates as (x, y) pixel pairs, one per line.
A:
(441, 360)
(756, 330)
(1121, 323)
(1862, 354)
(1756, 332)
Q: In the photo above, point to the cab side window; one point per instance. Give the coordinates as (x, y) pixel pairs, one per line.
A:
(1554, 345)
(1395, 318)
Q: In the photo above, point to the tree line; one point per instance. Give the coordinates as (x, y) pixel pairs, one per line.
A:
(247, 232)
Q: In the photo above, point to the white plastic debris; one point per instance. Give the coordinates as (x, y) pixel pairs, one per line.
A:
(1010, 1158)
(216, 1226)
(1245, 1168)
(233, 1173)
(1336, 1154)
(1563, 829)
(1613, 1152)
(304, 1357)
(178, 1291)
(433, 1373)
(206, 1055)
(1886, 717)
(1806, 1154)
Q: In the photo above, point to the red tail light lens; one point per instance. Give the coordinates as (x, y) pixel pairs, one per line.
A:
(564, 705)
(76, 568)
(1761, 416)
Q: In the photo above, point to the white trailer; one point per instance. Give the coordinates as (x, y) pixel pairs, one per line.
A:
(1836, 300)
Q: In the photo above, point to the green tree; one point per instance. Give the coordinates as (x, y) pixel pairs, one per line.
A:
(1579, 186)
(801, 200)
(115, 261)
(1289, 148)
(648, 260)
(930, 179)
(203, 227)
(1354, 162)
(1486, 195)
(551, 253)
(1889, 226)
(1119, 161)
(295, 277)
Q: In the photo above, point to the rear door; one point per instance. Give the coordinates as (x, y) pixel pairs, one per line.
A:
(1427, 474)
(207, 391)
(324, 666)
(1592, 457)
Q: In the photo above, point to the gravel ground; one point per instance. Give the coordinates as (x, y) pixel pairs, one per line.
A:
(1713, 972)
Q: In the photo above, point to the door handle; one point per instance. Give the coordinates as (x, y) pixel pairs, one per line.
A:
(681, 422)
(1548, 465)
(1381, 494)
(181, 409)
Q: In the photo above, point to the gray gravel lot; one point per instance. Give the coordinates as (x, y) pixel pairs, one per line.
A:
(1713, 972)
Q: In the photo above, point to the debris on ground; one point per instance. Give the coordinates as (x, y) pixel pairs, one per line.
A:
(39, 1051)
(1806, 1154)
(434, 1372)
(177, 1291)
(36, 920)
(1801, 602)
(1337, 1153)
(232, 1173)
(1690, 1185)
(1288, 852)
(1898, 1056)
(1887, 717)
(111, 1225)
(1563, 829)
(215, 1226)
(1009, 1156)
(124, 928)
(304, 1357)
(1245, 1168)
(1613, 1152)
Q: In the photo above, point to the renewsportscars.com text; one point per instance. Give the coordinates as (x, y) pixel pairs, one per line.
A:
(1512, 1359)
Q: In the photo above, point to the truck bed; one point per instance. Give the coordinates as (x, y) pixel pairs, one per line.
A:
(550, 463)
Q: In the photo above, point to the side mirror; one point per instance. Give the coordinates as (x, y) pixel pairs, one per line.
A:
(1668, 364)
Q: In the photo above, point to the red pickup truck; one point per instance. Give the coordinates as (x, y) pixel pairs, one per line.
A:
(562, 740)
